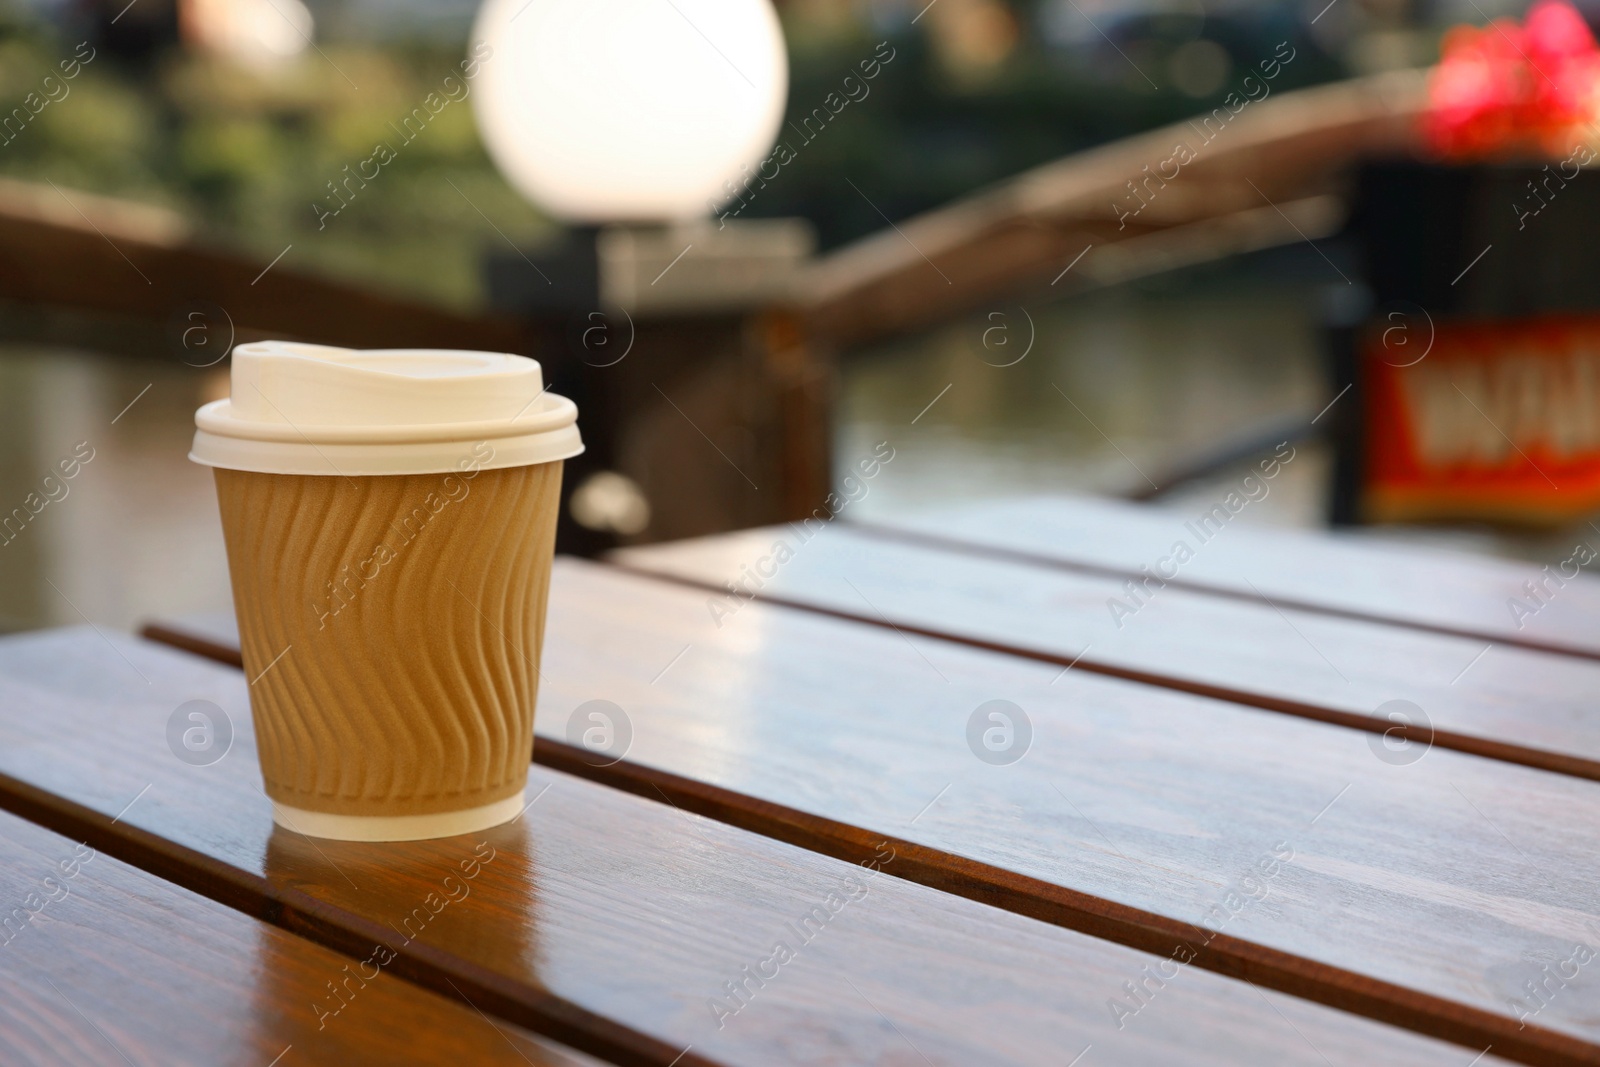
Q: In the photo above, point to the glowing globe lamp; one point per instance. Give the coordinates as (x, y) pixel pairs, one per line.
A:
(629, 110)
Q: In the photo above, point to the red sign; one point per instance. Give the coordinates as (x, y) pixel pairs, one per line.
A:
(1495, 420)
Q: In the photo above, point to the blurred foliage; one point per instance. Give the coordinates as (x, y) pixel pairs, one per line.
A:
(978, 90)
(244, 154)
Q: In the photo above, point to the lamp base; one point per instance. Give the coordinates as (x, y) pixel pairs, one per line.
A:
(690, 268)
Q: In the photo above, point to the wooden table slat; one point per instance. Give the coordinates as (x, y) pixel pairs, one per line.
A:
(1429, 589)
(103, 963)
(1534, 708)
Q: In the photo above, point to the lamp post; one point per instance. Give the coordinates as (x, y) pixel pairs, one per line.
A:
(633, 121)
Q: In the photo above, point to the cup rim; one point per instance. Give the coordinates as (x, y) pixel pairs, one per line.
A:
(553, 413)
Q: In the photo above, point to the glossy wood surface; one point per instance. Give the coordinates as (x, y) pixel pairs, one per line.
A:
(1536, 708)
(1438, 590)
(1452, 876)
(1424, 892)
(105, 964)
(616, 920)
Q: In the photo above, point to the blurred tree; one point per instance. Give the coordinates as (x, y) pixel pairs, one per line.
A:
(982, 89)
(246, 153)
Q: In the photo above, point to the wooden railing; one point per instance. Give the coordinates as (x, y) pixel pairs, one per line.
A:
(1268, 175)
(66, 249)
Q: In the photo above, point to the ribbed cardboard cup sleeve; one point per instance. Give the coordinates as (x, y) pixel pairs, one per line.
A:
(391, 628)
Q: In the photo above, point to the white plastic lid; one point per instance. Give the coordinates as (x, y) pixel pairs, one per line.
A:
(311, 409)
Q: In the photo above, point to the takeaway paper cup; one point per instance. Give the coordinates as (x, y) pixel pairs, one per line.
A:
(390, 522)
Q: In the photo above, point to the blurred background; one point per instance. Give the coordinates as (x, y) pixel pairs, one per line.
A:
(206, 140)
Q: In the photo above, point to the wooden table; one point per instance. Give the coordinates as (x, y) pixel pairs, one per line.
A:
(1194, 838)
